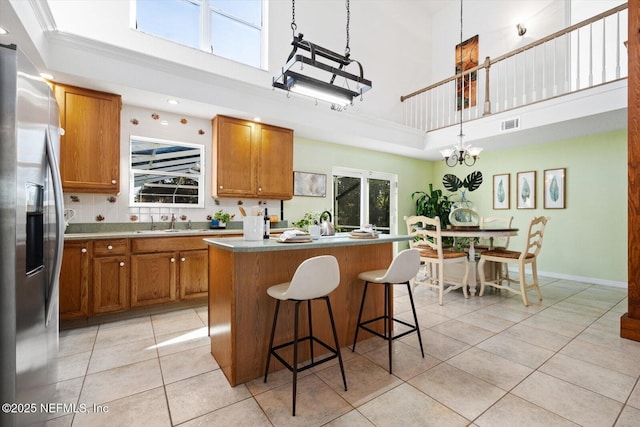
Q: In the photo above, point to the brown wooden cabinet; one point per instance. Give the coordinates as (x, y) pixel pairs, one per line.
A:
(167, 270)
(153, 278)
(194, 274)
(74, 280)
(90, 147)
(114, 275)
(251, 159)
(110, 278)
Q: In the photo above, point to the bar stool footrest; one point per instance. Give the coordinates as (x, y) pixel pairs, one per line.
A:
(376, 333)
(334, 353)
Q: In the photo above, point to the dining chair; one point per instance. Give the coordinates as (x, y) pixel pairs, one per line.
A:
(498, 242)
(528, 256)
(435, 258)
(314, 279)
(403, 268)
(495, 243)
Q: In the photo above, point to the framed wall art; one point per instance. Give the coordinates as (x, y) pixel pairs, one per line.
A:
(466, 55)
(501, 191)
(526, 190)
(554, 188)
(309, 184)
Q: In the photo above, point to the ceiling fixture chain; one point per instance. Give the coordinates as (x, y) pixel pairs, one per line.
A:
(461, 153)
(347, 49)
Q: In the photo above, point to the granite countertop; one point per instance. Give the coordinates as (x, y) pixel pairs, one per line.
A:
(238, 244)
(89, 231)
(128, 234)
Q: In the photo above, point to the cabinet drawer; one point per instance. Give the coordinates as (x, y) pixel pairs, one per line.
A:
(110, 247)
(168, 244)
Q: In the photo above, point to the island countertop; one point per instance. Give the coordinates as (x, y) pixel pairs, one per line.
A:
(238, 244)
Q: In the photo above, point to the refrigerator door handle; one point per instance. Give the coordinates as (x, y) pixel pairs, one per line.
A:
(59, 208)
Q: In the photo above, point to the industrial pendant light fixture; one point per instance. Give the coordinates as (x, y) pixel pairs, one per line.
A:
(308, 76)
(461, 152)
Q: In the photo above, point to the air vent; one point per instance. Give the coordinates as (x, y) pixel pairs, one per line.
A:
(510, 124)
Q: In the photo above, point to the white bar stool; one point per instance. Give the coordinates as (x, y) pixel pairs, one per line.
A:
(403, 268)
(314, 278)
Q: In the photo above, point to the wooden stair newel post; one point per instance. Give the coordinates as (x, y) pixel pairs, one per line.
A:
(630, 321)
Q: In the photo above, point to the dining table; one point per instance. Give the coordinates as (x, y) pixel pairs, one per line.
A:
(473, 232)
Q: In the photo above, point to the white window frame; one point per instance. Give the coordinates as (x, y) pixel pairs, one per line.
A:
(364, 175)
(205, 42)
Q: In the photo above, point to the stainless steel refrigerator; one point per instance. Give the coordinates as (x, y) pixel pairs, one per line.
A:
(31, 240)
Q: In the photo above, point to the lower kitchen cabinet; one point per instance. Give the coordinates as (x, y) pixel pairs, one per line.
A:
(103, 276)
(110, 284)
(194, 274)
(153, 279)
(74, 280)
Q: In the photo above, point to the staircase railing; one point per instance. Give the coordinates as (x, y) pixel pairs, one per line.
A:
(584, 55)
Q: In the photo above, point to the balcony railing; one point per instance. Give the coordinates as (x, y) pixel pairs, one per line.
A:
(578, 57)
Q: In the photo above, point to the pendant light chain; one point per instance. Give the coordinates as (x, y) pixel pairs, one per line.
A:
(461, 77)
(294, 27)
(347, 49)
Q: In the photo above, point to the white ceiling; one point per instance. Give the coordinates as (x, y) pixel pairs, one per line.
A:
(147, 81)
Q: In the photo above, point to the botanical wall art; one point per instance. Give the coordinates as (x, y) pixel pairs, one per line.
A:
(309, 184)
(501, 191)
(466, 87)
(554, 188)
(526, 190)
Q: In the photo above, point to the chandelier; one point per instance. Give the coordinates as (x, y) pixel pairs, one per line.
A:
(461, 153)
(326, 81)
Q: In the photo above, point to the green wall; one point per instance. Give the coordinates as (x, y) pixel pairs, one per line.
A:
(321, 157)
(587, 240)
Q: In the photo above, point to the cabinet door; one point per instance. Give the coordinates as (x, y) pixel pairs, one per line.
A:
(153, 278)
(194, 274)
(74, 280)
(110, 280)
(275, 163)
(90, 147)
(233, 173)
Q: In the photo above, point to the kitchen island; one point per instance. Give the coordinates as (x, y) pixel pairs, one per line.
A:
(241, 312)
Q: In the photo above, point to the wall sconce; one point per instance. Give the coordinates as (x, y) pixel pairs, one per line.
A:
(522, 30)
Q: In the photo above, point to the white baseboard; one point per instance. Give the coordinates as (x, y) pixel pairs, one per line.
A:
(583, 279)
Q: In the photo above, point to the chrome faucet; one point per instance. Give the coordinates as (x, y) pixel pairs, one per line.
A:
(153, 226)
(173, 222)
(189, 225)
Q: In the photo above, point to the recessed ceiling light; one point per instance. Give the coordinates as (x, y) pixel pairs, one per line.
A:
(173, 101)
(164, 123)
(3, 31)
(47, 76)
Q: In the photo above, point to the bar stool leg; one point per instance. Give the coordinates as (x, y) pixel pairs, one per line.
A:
(295, 358)
(273, 333)
(364, 294)
(335, 338)
(310, 329)
(389, 322)
(415, 318)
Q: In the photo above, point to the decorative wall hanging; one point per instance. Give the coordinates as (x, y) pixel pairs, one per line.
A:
(309, 184)
(467, 86)
(526, 190)
(554, 188)
(501, 191)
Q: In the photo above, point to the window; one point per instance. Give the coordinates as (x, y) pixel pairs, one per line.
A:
(228, 28)
(364, 197)
(166, 173)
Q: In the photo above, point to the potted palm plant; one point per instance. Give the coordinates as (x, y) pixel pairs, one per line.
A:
(432, 204)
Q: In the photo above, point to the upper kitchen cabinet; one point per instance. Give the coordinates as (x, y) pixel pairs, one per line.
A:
(250, 159)
(90, 147)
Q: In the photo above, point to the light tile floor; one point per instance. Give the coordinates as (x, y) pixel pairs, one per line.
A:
(488, 361)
